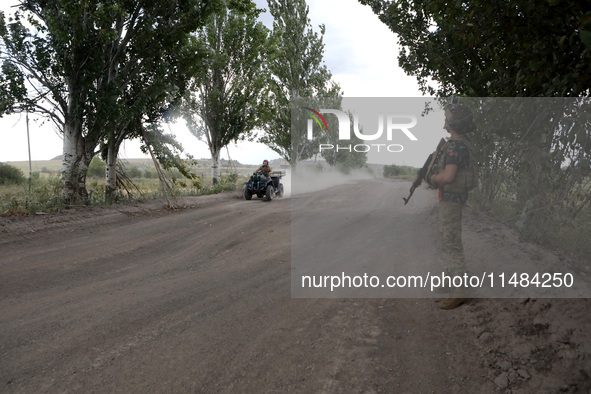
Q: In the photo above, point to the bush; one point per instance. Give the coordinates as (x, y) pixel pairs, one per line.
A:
(134, 172)
(43, 196)
(150, 173)
(394, 171)
(10, 175)
(96, 168)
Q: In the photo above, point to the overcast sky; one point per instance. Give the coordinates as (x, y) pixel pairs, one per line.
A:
(360, 52)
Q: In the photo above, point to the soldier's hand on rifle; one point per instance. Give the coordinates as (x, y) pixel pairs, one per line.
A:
(424, 172)
(418, 180)
(432, 182)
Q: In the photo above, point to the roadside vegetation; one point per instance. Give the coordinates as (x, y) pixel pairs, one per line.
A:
(400, 172)
(10, 175)
(139, 182)
(103, 74)
(533, 134)
(563, 224)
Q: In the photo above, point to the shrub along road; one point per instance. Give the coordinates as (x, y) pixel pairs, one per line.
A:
(135, 298)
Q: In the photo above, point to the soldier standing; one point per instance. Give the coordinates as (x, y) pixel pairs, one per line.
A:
(454, 176)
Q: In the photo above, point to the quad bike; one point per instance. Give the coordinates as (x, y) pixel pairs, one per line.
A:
(264, 187)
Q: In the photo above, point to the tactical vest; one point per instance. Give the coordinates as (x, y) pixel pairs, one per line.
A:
(466, 177)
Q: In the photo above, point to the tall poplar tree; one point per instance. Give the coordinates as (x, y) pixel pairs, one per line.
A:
(228, 97)
(299, 71)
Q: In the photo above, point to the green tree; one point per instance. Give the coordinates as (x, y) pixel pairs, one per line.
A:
(229, 95)
(12, 82)
(96, 168)
(98, 69)
(10, 175)
(535, 156)
(493, 47)
(534, 152)
(535, 149)
(298, 71)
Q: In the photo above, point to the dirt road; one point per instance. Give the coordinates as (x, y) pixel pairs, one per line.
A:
(136, 298)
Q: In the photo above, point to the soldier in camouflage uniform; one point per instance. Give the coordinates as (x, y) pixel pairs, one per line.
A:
(454, 176)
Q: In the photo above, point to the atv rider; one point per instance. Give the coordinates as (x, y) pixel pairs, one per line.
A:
(265, 169)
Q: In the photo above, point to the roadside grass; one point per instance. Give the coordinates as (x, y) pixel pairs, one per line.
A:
(42, 193)
(565, 230)
(561, 230)
(400, 172)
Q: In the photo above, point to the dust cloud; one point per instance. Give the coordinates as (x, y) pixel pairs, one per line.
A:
(310, 179)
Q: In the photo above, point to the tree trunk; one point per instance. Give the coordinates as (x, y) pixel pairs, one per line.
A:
(215, 166)
(75, 164)
(111, 173)
(76, 154)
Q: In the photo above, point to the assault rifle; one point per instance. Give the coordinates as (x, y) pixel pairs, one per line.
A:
(423, 171)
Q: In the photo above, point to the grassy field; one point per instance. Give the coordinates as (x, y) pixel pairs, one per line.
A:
(53, 167)
(41, 166)
(43, 192)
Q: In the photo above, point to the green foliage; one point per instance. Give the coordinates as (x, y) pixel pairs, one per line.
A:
(229, 96)
(12, 86)
(43, 196)
(534, 155)
(10, 175)
(96, 169)
(298, 71)
(404, 172)
(534, 158)
(134, 172)
(167, 150)
(493, 48)
(150, 173)
(227, 182)
(99, 70)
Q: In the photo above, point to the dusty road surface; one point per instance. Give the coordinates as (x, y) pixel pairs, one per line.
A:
(136, 298)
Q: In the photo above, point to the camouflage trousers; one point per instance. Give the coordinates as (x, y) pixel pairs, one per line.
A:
(450, 236)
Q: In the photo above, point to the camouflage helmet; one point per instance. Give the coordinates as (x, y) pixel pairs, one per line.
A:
(459, 118)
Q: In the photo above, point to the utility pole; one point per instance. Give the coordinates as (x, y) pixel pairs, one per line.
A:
(29, 146)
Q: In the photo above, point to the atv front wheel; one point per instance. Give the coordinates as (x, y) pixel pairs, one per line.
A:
(247, 193)
(270, 193)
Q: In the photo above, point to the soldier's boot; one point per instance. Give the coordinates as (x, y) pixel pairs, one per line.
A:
(458, 298)
(452, 303)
